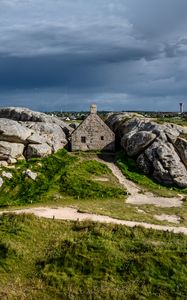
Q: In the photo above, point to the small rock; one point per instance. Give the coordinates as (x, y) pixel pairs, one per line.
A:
(11, 161)
(30, 174)
(7, 175)
(141, 211)
(10, 167)
(3, 163)
(1, 182)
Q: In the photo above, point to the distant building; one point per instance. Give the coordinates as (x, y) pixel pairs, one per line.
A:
(93, 134)
(181, 107)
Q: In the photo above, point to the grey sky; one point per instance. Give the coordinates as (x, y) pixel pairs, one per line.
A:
(120, 54)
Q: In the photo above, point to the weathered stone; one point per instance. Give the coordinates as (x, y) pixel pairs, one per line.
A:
(30, 174)
(164, 157)
(24, 114)
(181, 146)
(13, 150)
(144, 164)
(161, 174)
(116, 120)
(34, 150)
(23, 126)
(35, 138)
(167, 163)
(1, 182)
(7, 175)
(12, 131)
(47, 133)
(135, 144)
(3, 163)
(11, 160)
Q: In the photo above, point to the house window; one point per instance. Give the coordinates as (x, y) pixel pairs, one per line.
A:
(83, 139)
(102, 138)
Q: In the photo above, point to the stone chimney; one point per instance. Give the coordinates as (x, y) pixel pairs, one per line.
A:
(93, 109)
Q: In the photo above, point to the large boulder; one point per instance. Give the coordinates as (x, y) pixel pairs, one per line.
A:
(24, 114)
(11, 150)
(12, 131)
(136, 143)
(51, 134)
(167, 165)
(118, 122)
(160, 149)
(34, 150)
(33, 133)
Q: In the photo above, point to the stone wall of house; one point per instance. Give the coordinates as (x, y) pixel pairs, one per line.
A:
(93, 134)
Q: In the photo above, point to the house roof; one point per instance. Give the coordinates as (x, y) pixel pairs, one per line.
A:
(98, 120)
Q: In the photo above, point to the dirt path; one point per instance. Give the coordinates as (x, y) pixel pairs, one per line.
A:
(135, 196)
(68, 213)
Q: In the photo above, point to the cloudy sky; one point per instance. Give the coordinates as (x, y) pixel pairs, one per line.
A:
(119, 54)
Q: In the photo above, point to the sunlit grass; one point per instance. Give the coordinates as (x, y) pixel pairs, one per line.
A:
(47, 259)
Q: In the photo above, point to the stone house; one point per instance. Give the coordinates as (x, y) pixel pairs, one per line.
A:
(93, 134)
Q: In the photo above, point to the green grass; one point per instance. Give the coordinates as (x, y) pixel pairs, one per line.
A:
(182, 121)
(130, 170)
(47, 259)
(62, 174)
(73, 179)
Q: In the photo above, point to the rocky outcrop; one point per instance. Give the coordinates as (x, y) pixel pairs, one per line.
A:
(158, 149)
(12, 131)
(47, 133)
(25, 134)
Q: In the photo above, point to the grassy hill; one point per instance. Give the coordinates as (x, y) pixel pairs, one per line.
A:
(49, 259)
(59, 175)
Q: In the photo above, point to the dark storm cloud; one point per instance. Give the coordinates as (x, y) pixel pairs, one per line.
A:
(65, 69)
(116, 52)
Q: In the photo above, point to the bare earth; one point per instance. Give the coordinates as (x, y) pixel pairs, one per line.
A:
(136, 197)
(169, 218)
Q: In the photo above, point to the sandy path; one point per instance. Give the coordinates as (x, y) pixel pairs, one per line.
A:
(68, 213)
(135, 196)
